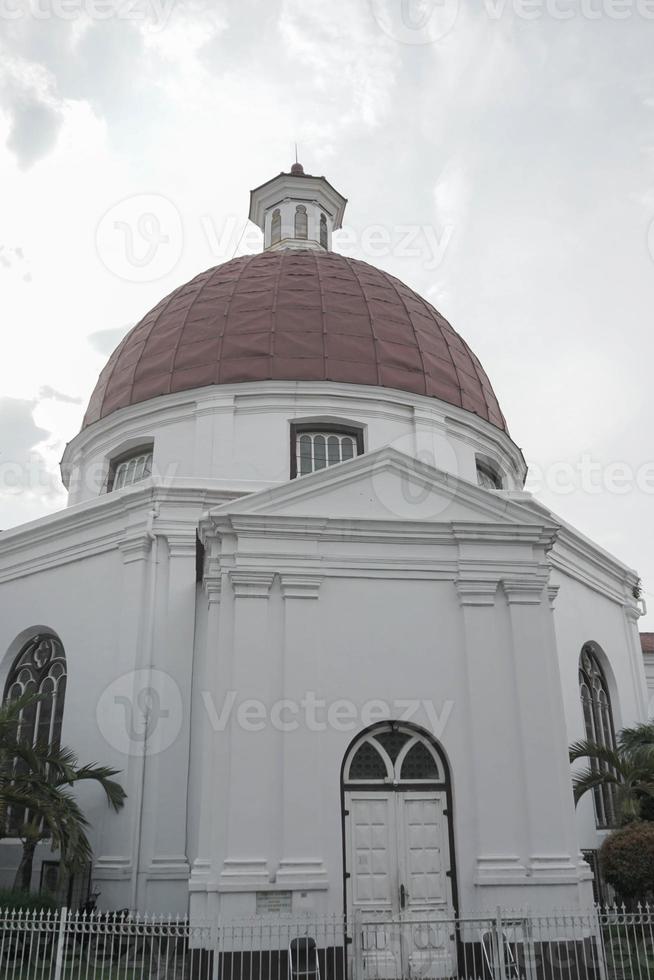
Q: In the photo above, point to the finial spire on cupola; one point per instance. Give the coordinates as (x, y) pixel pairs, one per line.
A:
(297, 210)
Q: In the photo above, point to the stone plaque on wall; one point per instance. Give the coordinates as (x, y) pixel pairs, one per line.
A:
(272, 903)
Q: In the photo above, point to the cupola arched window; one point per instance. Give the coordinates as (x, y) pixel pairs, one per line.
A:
(276, 227)
(315, 447)
(130, 468)
(488, 475)
(598, 722)
(301, 222)
(323, 231)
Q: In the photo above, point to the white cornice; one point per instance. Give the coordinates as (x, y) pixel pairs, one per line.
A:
(372, 531)
(110, 521)
(296, 186)
(145, 417)
(576, 555)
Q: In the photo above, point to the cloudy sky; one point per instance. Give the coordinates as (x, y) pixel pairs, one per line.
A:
(498, 156)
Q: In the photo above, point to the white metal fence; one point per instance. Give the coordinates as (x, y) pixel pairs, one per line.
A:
(601, 944)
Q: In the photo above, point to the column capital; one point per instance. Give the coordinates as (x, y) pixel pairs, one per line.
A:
(181, 544)
(249, 584)
(212, 580)
(524, 591)
(632, 612)
(476, 592)
(300, 586)
(552, 594)
(135, 547)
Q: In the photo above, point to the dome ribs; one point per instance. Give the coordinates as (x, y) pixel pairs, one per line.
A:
(155, 315)
(222, 371)
(370, 320)
(323, 317)
(395, 283)
(294, 316)
(439, 321)
(181, 338)
(273, 326)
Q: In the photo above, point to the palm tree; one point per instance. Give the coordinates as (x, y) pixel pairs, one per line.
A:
(35, 802)
(628, 768)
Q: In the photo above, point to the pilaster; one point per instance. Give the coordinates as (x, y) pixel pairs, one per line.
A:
(500, 846)
(303, 833)
(255, 763)
(543, 771)
(163, 833)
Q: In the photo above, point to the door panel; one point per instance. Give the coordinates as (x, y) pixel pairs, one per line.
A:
(428, 948)
(424, 857)
(396, 839)
(372, 859)
(371, 852)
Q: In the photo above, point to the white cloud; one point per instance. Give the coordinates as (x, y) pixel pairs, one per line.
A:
(532, 139)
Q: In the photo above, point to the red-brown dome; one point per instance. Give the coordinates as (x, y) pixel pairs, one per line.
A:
(294, 316)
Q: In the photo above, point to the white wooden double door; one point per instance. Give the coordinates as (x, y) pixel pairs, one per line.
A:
(400, 889)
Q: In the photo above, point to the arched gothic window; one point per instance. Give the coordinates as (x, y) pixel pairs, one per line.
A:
(323, 231)
(598, 721)
(276, 227)
(301, 222)
(40, 668)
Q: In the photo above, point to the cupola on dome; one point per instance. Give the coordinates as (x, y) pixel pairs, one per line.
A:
(296, 312)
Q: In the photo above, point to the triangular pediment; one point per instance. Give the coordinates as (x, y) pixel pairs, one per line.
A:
(384, 485)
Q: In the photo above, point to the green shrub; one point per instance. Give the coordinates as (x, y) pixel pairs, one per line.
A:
(11, 899)
(627, 860)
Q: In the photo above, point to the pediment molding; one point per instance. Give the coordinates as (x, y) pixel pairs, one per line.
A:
(416, 477)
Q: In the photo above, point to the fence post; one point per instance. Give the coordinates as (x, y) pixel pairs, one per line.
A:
(61, 940)
(356, 959)
(216, 936)
(501, 975)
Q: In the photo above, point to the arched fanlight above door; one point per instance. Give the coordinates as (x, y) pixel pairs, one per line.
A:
(393, 755)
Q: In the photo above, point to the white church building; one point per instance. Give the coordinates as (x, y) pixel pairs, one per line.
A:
(300, 598)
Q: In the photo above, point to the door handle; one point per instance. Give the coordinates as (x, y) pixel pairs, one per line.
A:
(403, 896)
